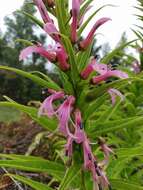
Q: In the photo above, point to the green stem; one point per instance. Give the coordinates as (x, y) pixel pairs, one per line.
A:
(83, 187)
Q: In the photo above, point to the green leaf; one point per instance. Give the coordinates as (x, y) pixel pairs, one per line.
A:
(114, 52)
(70, 175)
(129, 152)
(33, 18)
(45, 166)
(61, 16)
(25, 42)
(90, 18)
(68, 88)
(34, 184)
(120, 184)
(21, 157)
(107, 114)
(45, 122)
(83, 58)
(32, 77)
(113, 126)
(91, 108)
(84, 7)
(72, 59)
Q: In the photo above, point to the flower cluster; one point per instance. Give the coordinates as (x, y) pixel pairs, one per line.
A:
(75, 133)
(70, 119)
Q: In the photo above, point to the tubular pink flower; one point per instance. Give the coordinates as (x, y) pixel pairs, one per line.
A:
(79, 132)
(88, 40)
(62, 57)
(63, 114)
(47, 107)
(93, 66)
(74, 24)
(51, 56)
(52, 31)
(43, 11)
(109, 73)
(69, 147)
(89, 160)
(113, 93)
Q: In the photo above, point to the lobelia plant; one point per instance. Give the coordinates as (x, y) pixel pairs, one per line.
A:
(69, 109)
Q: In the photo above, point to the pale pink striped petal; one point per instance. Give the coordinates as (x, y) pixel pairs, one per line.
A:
(114, 93)
(63, 114)
(51, 29)
(51, 56)
(47, 106)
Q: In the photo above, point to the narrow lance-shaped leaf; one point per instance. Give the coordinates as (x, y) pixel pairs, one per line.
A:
(70, 175)
(34, 184)
(110, 55)
(120, 184)
(33, 18)
(32, 77)
(45, 166)
(45, 122)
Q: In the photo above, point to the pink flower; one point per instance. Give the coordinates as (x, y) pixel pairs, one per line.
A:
(74, 24)
(62, 57)
(93, 66)
(63, 114)
(88, 40)
(47, 106)
(69, 147)
(79, 131)
(108, 74)
(43, 11)
(51, 56)
(52, 31)
(113, 93)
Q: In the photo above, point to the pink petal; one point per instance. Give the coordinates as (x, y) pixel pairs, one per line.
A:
(47, 107)
(52, 31)
(51, 56)
(62, 57)
(63, 114)
(114, 73)
(74, 24)
(88, 40)
(113, 93)
(69, 147)
(94, 66)
(119, 74)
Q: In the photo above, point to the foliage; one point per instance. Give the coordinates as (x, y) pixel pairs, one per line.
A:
(83, 97)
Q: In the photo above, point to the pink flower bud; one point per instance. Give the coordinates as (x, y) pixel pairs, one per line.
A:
(88, 40)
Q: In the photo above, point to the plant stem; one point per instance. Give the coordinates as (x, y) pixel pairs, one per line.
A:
(83, 187)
